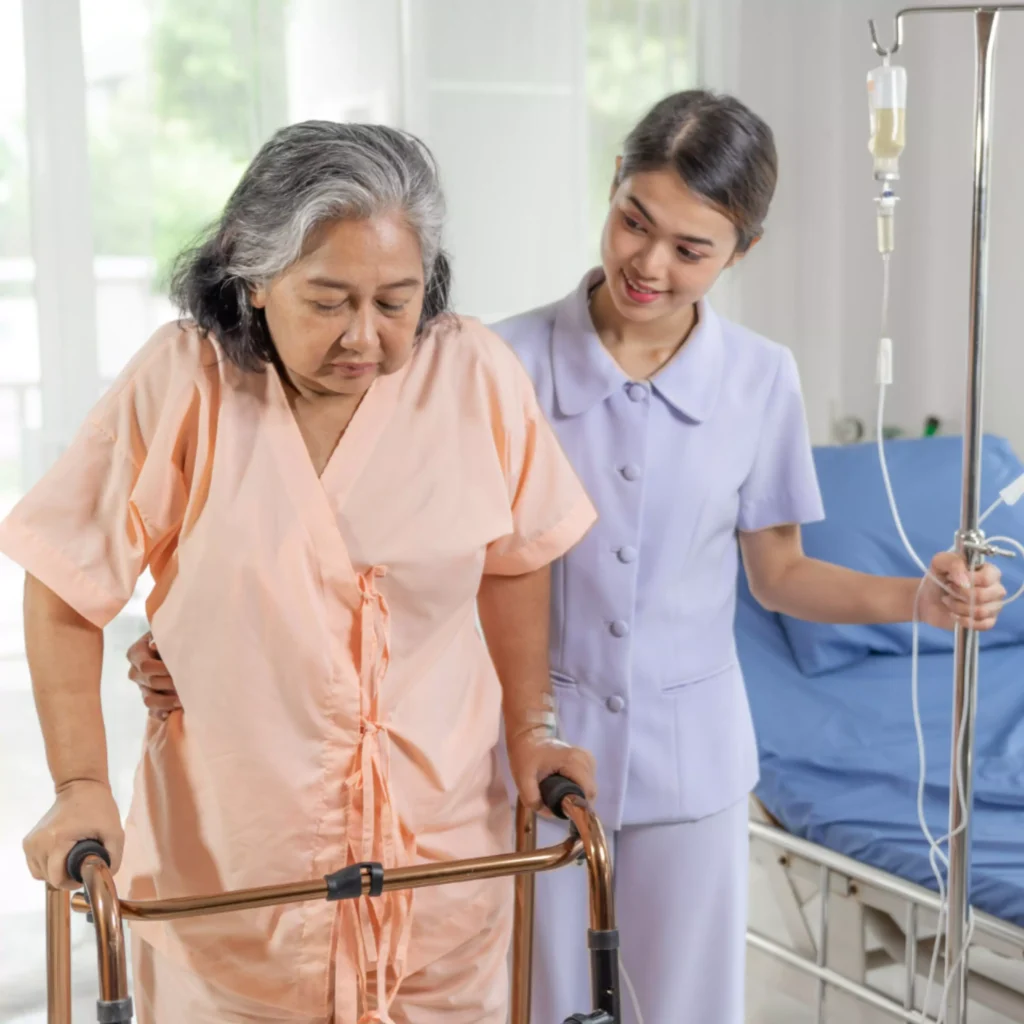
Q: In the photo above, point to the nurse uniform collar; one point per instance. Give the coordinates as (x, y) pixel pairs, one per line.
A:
(585, 374)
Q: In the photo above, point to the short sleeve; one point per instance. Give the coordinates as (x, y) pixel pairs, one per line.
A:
(110, 505)
(782, 486)
(550, 509)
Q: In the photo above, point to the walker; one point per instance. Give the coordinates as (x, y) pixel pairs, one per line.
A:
(89, 863)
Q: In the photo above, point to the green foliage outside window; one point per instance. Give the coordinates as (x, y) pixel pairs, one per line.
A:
(635, 56)
(167, 150)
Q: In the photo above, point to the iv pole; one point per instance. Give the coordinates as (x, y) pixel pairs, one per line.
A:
(970, 540)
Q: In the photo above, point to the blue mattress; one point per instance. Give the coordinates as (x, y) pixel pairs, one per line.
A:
(839, 760)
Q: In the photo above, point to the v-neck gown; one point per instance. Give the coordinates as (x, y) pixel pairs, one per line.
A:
(339, 704)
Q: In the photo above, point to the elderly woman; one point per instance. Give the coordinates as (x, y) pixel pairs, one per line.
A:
(327, 475)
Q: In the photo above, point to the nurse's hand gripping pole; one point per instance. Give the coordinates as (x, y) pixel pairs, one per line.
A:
(88, 863)
(888, 129)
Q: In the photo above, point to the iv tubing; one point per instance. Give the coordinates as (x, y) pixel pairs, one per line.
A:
(936, 857)
(965, 680)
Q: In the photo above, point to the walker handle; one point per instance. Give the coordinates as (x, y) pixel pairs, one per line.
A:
(78, 854)
(554, 789)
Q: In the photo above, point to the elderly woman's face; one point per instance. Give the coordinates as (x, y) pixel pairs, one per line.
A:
(347, 311)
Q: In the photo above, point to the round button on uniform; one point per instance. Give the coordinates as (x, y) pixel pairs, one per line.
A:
(619, 628)
(637, 392)
(627, 554)
(631, 471)
(615, 704)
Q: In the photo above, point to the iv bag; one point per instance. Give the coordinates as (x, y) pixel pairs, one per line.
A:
(887, 103)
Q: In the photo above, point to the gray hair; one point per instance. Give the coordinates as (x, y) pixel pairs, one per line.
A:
(305, 175)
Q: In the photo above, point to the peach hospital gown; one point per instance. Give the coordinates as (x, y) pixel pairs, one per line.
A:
(339, 702)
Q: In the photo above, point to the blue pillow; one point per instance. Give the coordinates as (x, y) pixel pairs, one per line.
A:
(859, 533)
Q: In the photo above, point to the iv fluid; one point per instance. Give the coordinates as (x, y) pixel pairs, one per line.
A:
(888, 136)
(887, 100)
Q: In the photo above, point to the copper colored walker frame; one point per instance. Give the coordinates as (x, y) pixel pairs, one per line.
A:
(586, 842)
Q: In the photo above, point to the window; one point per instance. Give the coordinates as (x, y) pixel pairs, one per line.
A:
(180, 95)
(21, 753)
(177, 97)
(526, 106)
(176, 106)
(19, 346)
(637, 52)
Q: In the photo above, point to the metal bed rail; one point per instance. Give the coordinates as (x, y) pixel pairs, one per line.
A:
(835, 869)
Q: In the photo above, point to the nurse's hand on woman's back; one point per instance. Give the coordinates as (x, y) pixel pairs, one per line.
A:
(83, 809)
(150, 674)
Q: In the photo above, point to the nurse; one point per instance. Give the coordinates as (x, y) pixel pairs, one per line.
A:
(689, 434)
(322, 524)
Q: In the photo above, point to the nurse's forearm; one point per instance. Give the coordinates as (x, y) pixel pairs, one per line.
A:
(65, 659)
(515, 614)
(822, 592)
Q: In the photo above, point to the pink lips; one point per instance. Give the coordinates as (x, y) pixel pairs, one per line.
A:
(642, 297)
(354, 370)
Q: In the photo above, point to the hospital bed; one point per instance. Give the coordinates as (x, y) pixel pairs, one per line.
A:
(836, 809)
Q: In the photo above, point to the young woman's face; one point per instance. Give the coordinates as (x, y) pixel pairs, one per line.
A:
(347, 311)
(663, 246)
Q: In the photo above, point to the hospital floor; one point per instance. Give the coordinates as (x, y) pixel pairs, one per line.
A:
(22, 992)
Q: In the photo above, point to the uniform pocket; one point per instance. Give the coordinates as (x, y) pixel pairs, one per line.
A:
(563, 679)
(702, 676)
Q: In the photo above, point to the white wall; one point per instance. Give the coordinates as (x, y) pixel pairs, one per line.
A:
(510, 136)
(344, 60)
(506, 121)
(814, 283)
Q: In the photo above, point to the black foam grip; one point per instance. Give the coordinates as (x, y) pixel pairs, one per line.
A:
(78, 853)
(554, 789)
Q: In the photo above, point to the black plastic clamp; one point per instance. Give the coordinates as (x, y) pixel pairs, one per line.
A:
(603, 939)
(347, 883)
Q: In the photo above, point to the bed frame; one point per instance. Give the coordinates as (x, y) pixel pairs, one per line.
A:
(870, 920)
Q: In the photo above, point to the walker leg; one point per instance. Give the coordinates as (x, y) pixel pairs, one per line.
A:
(58, 956)
(114, 1005)
(603, 938)
(522, 932)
